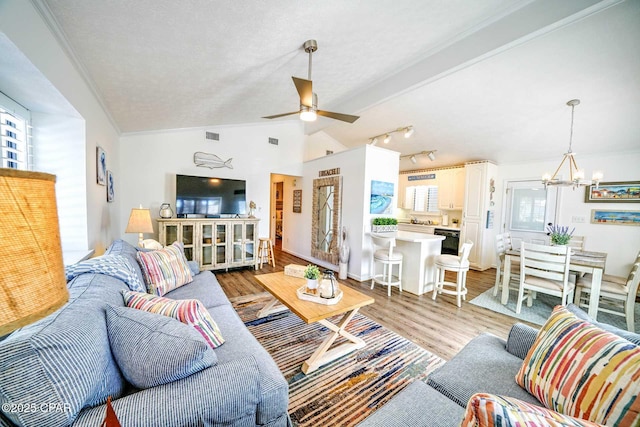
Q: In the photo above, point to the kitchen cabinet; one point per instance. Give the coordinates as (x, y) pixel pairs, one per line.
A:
(476, 224)
(215, 243)
(451, 188)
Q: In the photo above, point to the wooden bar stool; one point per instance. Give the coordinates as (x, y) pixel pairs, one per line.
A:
(265, 252)
(459, 264)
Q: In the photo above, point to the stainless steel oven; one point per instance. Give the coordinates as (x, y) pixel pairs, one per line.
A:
(451, 240)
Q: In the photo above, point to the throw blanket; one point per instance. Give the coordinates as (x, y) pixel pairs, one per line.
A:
(115, 266)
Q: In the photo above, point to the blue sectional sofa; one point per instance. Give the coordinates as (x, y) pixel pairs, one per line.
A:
(60, 370)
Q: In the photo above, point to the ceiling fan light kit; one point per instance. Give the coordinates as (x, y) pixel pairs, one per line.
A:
(576, 175)
(309, 111)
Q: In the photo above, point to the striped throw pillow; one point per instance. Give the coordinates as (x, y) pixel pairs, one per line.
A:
(189, 311)
(165, 269)
(580, 370)
(488, 410)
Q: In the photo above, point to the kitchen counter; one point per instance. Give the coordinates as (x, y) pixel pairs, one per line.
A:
(424, 228)
(418, 259)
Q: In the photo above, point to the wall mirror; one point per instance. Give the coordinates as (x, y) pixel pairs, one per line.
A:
(325, 223)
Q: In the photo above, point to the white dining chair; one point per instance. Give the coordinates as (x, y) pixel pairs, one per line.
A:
(458, 264)
(577, 242)
(544, 269)
(504, 244)
(617, 294)
(385, 256)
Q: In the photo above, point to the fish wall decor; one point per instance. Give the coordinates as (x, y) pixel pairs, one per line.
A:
(211, 161)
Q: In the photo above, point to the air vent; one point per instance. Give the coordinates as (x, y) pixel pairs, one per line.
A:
(329, 152)
(212, 136)
(273, 141)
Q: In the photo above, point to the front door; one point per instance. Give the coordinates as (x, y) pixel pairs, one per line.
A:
(530, 207)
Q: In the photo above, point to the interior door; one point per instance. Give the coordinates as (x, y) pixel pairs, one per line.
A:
(530, 207)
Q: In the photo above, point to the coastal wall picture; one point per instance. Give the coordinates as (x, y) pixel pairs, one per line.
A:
(615, 192)
(381, 197)
(101, 166)
(615, 217)
(111, 192)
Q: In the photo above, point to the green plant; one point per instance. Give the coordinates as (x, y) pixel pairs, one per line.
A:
(312, 272)
(385, 221)
(559, 235)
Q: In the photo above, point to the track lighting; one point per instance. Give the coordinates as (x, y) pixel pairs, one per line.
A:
(414, 159)
(407, 131)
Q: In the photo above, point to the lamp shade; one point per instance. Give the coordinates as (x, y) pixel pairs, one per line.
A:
(32, 278)
(139, 221)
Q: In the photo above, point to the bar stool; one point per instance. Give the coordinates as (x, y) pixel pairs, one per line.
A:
(459, 264)
(383, 254)
(265, 252)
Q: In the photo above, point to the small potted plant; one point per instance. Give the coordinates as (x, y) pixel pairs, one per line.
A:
(560, 235)
(382, 224)
(312, 274)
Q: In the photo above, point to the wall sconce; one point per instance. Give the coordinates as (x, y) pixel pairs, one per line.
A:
(407, 131)
(414, 159)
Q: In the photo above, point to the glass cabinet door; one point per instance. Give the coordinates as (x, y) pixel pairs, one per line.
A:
(206, 252)
(220, 244)
(171, 233)
(188, 238)
(238, 243)
(249, 250)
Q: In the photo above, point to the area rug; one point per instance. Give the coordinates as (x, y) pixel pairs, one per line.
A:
(541, 309)
(347, 390)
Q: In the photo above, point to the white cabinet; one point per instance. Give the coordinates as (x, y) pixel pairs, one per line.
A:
(451, 188)
(477, 209)
(214, 243)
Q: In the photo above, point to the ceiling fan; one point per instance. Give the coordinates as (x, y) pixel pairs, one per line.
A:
(308, 100)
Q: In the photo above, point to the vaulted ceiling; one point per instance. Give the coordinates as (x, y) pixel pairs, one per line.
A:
(477, 79)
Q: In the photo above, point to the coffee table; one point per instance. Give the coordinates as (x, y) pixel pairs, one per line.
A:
(283, 288)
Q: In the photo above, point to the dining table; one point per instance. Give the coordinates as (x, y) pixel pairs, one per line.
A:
(579, 261)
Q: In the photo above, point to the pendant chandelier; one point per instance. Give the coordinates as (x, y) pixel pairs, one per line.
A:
(576, 175)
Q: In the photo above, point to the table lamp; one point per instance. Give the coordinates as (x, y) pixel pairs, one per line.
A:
(32, 279)
(139, 222)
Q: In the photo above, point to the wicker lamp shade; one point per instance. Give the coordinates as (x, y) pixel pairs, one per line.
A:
(33, 283)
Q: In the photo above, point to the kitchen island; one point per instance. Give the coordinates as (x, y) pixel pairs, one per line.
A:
(419, 251)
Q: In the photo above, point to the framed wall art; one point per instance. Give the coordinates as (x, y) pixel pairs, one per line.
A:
(381, 197)
(101, 166)
(614, 217)
(613, 192)
(297, 201)
(111, 193)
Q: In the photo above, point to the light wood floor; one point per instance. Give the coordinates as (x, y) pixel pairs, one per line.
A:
(438, 326)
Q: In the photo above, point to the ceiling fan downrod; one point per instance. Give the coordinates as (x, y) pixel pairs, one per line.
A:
(310, 46)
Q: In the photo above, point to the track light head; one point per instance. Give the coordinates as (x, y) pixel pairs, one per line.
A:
(413, 159)
(387, 138)
(408, 131)
(374, 140)
(431, 156)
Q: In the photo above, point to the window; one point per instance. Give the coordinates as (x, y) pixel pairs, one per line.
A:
(14, 141)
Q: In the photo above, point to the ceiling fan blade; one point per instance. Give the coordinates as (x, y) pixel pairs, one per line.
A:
(305, 90)
(338, 116)
(280, 115)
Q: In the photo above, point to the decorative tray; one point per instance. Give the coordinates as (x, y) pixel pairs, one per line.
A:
(306, 295)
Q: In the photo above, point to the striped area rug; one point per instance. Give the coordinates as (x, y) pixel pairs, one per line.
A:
(347, 390)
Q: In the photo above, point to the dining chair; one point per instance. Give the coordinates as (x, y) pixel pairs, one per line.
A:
(504, 244)
(544, 269)
(618, 293)
(577, 242)
(384, 255)
(458, 264)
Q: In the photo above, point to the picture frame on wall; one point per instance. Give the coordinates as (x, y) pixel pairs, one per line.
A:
(613, 192)
(297, 201)
(381, 197)
(615, 217)
(111, 193)
(101, 166)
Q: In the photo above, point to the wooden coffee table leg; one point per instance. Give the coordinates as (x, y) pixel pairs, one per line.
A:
(323, 355)
(272, 307)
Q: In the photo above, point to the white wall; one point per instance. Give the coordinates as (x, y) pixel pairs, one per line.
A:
(621, 242)
(316, 145)
(358, 166)
(150, 161)
(24, 26)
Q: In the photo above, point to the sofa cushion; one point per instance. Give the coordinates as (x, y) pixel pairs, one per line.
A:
(482, 365)
(521, 338)
(191, 312)
(205, 288)
(120, 247)
(152, 349)
(63, 360)
(583, 371)
(582, 315)
(117, 266)
(164, 269)
(487, 410)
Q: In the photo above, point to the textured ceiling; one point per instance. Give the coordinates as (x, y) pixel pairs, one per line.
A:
(478, 80)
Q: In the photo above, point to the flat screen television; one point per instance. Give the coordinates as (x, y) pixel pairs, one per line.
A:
(198, 196)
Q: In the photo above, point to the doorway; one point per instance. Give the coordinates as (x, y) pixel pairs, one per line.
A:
(529, 208)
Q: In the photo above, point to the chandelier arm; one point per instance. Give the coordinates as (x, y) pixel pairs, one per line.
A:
(559, 166)
(575, 166)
